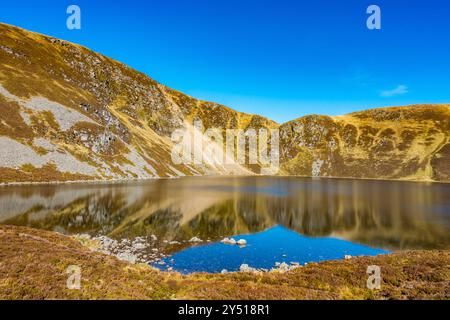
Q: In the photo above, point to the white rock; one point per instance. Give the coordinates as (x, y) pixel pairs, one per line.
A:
(126, 256)
(284, 266)
(139, 246)
(242, 242)
(246, 268)
(229, 241)
(84, 236)
(347, 257)
(195, 239)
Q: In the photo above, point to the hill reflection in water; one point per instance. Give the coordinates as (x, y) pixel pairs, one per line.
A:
(263, 251)
(384, 214)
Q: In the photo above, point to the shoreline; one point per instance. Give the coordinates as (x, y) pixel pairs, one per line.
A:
(34, 266)
(129, 180)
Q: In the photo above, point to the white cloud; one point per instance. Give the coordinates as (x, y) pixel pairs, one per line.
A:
(401, 89)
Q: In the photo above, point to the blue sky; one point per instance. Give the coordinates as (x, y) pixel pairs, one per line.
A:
(282, 59)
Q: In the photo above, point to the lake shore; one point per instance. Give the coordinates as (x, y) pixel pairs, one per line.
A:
(33, 265)
(130, 180)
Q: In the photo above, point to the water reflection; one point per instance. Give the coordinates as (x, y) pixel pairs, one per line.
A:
(264, 251)
(390, 215)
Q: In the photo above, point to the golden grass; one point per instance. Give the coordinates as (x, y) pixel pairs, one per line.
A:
(47, 173)
(33, 265)
(385, 143)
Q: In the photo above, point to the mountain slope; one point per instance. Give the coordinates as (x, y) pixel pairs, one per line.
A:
(394, 143)
(71, 113)
(68, 113)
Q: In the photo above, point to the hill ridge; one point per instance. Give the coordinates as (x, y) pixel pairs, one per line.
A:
(126, 119)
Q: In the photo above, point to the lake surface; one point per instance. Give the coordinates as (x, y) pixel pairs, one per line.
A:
(291, 220)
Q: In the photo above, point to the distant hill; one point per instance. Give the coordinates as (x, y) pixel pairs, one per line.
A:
(68, 113)
(409, 143)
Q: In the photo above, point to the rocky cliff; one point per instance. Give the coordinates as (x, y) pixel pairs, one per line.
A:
(68, 113)
(392, 143)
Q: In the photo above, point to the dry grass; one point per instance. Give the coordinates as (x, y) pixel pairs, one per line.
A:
(33, 265)
(48, 173)
(405, 143)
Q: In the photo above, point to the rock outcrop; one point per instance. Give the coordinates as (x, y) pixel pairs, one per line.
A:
(392, 143)
(68, 113)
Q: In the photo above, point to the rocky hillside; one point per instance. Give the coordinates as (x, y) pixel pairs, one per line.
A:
(67, 113)
(410, 142)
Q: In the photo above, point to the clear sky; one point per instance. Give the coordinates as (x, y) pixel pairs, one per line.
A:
(279, 58)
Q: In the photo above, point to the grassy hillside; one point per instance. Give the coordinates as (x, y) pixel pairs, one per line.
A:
(68, 113)
(61, 103)
(408, 143)
(33, 265)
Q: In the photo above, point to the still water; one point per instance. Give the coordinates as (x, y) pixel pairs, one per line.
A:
(282, 219)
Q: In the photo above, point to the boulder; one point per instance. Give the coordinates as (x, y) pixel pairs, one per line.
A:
(196, 239)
